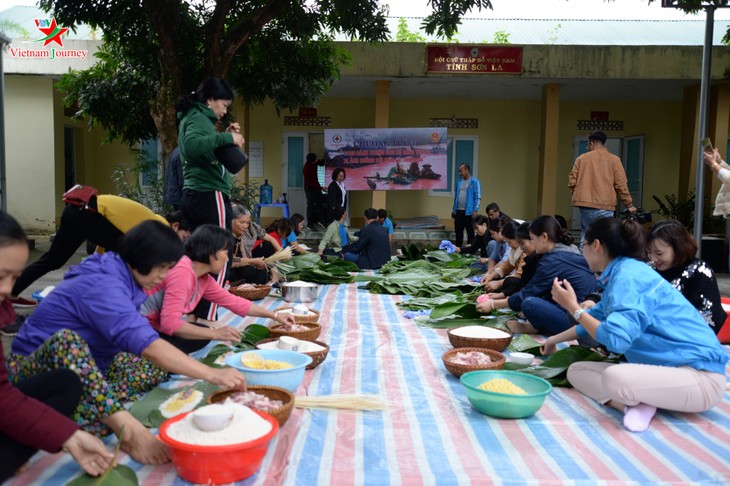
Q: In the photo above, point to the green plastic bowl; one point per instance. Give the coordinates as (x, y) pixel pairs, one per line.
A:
(504, 405)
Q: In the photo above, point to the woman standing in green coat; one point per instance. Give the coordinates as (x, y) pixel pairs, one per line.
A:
(207, 155)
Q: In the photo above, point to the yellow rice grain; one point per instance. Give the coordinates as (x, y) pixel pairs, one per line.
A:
(501, 385)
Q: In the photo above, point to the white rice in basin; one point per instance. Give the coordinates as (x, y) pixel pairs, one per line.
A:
(482, 332)
(245, 426)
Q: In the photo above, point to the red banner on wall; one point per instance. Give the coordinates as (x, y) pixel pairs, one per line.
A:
(474, 59)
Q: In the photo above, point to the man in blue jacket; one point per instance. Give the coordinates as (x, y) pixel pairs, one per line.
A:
(466, 205)
(372, 249)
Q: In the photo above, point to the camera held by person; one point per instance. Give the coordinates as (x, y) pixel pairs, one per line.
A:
(640, 216)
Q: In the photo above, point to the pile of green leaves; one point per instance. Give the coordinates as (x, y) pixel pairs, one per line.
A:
(310, 268)
(438, 273)
(555, 368)
(412, 251)
(426, 303)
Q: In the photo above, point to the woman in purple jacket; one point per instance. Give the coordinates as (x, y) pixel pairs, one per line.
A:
(34, 412)
(91, 324)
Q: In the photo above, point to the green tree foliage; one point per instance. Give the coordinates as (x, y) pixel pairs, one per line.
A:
(281, 50)
(500, 37)
(156, 50)
(405, 35)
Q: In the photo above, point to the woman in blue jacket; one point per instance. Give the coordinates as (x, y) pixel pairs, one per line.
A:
(560, 259)
(673, 359)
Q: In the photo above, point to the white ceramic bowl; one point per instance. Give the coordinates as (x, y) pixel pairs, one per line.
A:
(300, 310)
(213, 417)
(521, 358)
(288, 343)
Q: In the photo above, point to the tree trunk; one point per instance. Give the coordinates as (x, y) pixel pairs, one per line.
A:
(164, 18)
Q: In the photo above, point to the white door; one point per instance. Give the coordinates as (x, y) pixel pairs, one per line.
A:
(295, 146)
(580, 146)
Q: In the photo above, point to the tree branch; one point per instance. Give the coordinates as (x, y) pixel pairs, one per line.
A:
(214, 31)
(243, 31)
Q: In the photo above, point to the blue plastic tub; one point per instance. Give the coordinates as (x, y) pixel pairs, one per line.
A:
(289, 378)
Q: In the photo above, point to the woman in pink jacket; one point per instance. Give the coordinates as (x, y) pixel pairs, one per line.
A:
(170, 305)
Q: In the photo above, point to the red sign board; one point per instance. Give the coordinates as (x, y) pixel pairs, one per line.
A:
(474, 59)
(599, 116)
(307, 111)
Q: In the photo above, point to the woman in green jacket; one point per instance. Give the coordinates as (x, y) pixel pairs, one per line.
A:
(206, 154)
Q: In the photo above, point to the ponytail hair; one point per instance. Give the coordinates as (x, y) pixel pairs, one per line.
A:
(549, 225)
(480, 219)
(619, 238)
(496, 225)
(523, 231)
(509, 230)
(215, 88)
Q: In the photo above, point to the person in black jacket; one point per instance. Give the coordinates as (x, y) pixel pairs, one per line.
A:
(372, 250)
(336, 193)
(479, 245)
(672, 250)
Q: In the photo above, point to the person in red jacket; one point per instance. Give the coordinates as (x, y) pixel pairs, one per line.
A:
(313, 190)
(34, 413)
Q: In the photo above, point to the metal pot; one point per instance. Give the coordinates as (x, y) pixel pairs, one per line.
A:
(299, 293)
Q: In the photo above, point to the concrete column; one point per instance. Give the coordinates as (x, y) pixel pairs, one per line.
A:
(688, 143)
(382, 119)
(547, 174)
(718, 127)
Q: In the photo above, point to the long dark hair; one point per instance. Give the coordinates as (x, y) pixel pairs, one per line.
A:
(509, 230)
(215, 88)
(282, 226)
(619, 238)
(295, 219)
(549, 225)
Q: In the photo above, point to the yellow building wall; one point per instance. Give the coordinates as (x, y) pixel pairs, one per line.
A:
(29, 151)
(508, 147)
(658, 122)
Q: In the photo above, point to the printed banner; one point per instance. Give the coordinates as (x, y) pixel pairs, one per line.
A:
(387, 158)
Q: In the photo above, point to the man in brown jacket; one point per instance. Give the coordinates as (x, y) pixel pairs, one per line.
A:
(596, 180)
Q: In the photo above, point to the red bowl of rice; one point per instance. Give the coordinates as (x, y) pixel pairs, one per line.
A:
(217, 464)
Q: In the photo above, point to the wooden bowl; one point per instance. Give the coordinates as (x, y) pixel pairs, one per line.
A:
(281, 414)
(310, 334)
(498, 360)
(312, 317)
(317, 356)
(257, 293)
(497, 344)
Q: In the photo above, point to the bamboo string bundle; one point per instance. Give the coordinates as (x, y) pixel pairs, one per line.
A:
(284, 254)
(343, 402)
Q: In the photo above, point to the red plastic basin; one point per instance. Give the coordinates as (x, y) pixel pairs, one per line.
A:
(217, 464)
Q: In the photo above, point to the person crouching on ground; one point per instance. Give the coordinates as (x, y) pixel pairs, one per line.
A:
(674, 360)
(172, 301)
(561, 259)
(336, 235)
(34, 412)
(372, 249)
(91, 324)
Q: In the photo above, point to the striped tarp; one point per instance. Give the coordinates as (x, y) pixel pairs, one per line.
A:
(431, 435)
